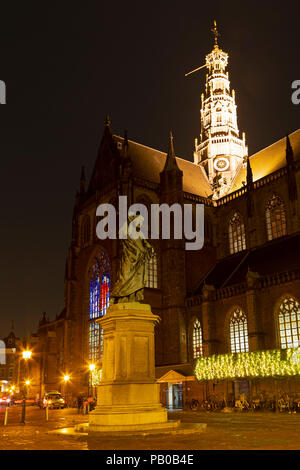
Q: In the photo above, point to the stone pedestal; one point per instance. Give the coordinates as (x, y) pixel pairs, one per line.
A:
(128, 396)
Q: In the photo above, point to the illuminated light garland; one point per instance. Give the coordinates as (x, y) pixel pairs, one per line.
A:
(259, 364)
(96, 377)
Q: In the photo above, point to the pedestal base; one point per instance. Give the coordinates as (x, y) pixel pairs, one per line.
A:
(128, 396)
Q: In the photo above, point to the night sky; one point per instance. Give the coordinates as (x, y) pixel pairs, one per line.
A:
(66, 66)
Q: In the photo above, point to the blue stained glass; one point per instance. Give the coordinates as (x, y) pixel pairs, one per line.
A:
(99, 302)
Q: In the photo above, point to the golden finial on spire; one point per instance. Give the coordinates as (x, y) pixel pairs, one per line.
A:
(215, 32)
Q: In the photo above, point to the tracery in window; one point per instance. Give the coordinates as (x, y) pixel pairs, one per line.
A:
(197, 339)
(98, 304)
(237, 236)
(289, 323)
(239, 332)
(152, 272)
(275, 218)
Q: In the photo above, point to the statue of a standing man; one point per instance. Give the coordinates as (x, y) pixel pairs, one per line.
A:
(132, 274)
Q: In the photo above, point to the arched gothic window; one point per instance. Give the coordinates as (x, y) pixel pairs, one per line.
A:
(275, 218)
(98, 304)
(85, 231)
(289, 323)
(237, 236)
(152, 272)
(239, 332)
(197, 339)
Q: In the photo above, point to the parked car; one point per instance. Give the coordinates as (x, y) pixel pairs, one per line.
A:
(53, 400)
(5, 401)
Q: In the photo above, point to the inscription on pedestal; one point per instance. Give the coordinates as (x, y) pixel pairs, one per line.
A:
(110, 359)
(141, 355)
(122, 369)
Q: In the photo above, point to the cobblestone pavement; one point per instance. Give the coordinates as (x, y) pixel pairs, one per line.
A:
(234, 431)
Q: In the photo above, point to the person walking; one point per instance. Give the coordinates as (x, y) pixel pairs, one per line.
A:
(79, 403)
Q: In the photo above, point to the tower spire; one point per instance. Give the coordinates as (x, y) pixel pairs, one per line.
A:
(107, 121)
(125, 145)
(250, 202)
(289, 152)
(249, 174)
(292, 184)
(220, 150)
(171, 163)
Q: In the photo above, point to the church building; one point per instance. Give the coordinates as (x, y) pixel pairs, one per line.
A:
(239, 294)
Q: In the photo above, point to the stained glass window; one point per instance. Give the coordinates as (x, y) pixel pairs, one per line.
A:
(239, 332)
(237, 236)
(98, 304)
(289, 323)
(197, 339)
(275, 218)
(152, 272)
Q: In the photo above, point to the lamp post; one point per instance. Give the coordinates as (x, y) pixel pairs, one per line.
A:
(26, 357)
(66, 380)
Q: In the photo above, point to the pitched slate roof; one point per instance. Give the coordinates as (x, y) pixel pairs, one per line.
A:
(268, 160)
(148, 163)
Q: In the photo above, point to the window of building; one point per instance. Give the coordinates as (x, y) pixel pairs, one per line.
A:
(152, 272)
(197, 339)
(289, 323)
(239, 332)
(275, 218)
(237, 236)
(98, 304)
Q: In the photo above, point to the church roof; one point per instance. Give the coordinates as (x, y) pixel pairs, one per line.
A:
(268, 160)
(148, 163)
(277, 256)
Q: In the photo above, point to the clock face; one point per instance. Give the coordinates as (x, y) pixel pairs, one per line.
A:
(221, 164)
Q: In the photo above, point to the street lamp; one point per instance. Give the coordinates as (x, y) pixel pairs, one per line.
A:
(26, 356)
(65, 383)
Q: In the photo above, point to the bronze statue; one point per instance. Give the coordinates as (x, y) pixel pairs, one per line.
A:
(132, 274)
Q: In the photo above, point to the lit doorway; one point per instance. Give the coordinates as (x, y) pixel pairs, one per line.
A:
(174, 396)
(241, 388)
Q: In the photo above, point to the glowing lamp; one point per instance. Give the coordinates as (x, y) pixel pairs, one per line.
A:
(27, 354)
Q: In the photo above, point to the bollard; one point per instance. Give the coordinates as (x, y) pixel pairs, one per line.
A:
(47, 413)
(6, 416)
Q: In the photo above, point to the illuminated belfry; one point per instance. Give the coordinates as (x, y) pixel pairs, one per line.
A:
(220, 150)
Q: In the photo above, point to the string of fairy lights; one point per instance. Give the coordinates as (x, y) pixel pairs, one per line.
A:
(259, 364)
(96, 377)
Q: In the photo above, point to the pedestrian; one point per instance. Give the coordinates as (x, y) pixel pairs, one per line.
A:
(79, 403)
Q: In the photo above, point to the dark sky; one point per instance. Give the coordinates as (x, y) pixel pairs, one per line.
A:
(67, 64)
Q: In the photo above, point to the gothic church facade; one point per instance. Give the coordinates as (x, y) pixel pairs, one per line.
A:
(240, 293)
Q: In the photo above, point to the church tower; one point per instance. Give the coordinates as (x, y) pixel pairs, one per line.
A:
(220, 150)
